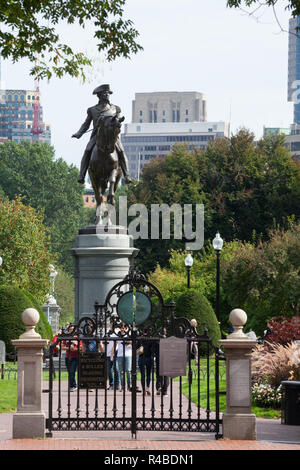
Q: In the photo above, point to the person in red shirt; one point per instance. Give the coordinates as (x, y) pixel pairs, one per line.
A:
(71, 348)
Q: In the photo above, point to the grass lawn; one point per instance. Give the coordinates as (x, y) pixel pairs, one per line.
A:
(268, 413)
(8, 391)
(8, 395)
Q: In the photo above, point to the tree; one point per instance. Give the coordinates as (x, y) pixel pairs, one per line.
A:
(292, 5)
(24, 247)
(29, 28)
(172, 280)
(246, 189)
(172, 180)
(250, 188)
(264, 280)
(30, 170)
(65, 295)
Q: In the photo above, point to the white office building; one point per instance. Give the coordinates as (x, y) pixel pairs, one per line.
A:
(145, 141)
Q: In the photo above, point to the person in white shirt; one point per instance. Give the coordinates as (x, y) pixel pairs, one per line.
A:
(112, 363)
(124, 355)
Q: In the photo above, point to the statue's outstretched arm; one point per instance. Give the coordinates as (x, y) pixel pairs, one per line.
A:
(85, 126)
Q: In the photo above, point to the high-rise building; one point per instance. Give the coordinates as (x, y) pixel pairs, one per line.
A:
(162, 119)
(294, 67)
(169, 106)
(17, 116)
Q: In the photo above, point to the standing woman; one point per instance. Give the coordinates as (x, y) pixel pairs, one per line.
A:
(145, 361)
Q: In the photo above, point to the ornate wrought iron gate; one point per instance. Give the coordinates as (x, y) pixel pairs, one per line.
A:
(180, 404)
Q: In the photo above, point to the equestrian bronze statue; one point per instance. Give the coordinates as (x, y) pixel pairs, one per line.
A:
(104, 157)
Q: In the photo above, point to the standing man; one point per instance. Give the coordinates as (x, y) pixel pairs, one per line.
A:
(102, 109)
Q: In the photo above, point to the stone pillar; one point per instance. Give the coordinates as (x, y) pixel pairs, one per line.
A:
(52, 312)
(239, 423)
(102, 259)
(29, 420)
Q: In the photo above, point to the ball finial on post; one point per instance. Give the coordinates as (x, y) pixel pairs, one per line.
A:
(238, 319)
(30, 318)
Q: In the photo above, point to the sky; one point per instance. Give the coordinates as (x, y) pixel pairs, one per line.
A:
(238, 61)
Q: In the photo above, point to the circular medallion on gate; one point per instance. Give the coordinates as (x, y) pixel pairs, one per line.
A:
(134, 308)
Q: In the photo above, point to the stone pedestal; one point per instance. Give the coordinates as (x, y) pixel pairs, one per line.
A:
(29, 420)
(239, 423)
(52, 312)
(102, 259)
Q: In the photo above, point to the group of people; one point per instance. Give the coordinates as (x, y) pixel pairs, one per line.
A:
(119, 363)
(118, 359)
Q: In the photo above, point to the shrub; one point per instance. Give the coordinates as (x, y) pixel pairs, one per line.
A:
(284, 330)
(265, 396)
(13, 301)
(275, 363)
(192, 304)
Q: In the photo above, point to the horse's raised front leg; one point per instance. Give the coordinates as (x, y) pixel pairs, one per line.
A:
(111, 190)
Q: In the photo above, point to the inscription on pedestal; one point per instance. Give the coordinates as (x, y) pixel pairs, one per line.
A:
(239, 376)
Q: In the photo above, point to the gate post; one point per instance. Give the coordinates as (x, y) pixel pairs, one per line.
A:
(29, 420)
(239, 423)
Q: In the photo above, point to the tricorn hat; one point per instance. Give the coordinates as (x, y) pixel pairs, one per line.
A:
(102, 89)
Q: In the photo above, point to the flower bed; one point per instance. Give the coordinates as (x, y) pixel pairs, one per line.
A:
(264, 395)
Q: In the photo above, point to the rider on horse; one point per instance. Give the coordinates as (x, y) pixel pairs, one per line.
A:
(102, 109)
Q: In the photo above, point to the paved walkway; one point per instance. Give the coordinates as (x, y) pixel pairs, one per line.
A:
(271, 435)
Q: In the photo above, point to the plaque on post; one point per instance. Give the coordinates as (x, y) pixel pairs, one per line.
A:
(92, 370)
(172, 357)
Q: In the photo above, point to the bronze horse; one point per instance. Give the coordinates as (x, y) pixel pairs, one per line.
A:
(104, 169)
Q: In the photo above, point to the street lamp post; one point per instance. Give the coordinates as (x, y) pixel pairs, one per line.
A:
(218, 245)
(189, 263)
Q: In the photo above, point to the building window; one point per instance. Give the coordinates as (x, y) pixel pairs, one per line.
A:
(186, 112)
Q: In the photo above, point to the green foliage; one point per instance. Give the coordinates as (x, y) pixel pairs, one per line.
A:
(30, 28)
(250, 188)
(172, 281)
(29, 170)
(65, 295)
(191, 304)
(13, 301)
(264, 280)
(24, 247)
(246, 190)
(171, 180)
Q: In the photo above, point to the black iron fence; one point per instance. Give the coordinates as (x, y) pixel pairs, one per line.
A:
(111, 387)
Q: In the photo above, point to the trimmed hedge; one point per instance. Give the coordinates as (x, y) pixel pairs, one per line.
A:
(13, 301)
(191, 305)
